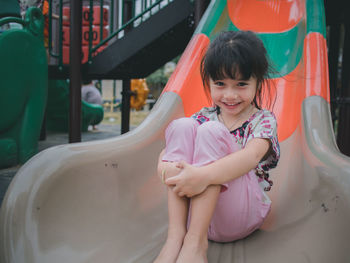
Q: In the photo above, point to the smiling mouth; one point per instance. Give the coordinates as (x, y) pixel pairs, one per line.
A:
(231, 104)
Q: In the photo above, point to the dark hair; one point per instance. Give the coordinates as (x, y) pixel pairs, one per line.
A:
(234, 54)
(86, 81)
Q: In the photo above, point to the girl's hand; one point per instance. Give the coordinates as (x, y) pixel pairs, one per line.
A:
(189, 182)
(167, 170)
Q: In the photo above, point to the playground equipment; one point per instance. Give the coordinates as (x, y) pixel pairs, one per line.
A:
(140, 92)
(9, 8)
(102, 200)
(23, 82)
(57, 112)
(99, 30)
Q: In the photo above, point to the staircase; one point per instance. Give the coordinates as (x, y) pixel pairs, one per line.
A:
(144, 48)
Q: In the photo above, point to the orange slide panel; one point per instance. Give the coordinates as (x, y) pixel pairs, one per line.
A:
(186, 80)
(259, 16)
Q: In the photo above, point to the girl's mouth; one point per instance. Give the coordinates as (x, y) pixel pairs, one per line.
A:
(231, 104)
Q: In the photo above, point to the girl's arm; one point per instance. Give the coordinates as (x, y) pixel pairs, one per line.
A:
(236, 164)
(194, 180)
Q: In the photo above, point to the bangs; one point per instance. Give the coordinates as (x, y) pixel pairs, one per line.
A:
(229, 71)
(228, 62)
(235, 59)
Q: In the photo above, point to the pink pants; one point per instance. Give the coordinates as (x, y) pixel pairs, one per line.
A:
(240, 209)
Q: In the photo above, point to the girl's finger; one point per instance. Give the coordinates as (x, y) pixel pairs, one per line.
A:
(189, 195)
(176, 190)
(171, 181)
(181, 164)
(181, 194)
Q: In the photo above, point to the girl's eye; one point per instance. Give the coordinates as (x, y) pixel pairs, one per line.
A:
(242, 84)
(219, 83)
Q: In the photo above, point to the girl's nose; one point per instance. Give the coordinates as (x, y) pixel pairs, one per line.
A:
(231, 95)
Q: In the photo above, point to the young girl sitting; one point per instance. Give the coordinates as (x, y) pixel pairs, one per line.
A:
(216, 163)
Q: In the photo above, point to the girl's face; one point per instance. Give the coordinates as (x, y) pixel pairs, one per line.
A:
(233, 96)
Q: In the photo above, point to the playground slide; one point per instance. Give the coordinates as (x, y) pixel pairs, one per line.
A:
(102, 201)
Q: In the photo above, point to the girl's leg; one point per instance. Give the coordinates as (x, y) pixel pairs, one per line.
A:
(213, 141)
(177, 212)
(180, 136)
(195, 244)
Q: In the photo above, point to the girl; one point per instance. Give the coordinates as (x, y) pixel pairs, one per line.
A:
(216, 163)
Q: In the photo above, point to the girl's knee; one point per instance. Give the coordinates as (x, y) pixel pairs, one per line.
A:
(184, 122)
(182, 126)
(213, 129)
(214, 139)
(179, 137)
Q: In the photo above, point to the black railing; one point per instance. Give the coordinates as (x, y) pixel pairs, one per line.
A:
(141, 11)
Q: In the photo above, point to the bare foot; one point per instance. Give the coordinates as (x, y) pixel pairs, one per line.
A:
(170, 250)
(194, 250)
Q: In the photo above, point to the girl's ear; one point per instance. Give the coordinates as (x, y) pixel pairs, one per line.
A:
(257, 95)
(258, 86)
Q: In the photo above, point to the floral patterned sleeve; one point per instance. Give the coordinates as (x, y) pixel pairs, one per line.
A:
(265, 126)
(204, 115)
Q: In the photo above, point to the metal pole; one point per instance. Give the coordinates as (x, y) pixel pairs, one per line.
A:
(126, 93)
(199, 9)
(114, 90)
(333, 56)
(111, 17)
(60, 37)
(343, 138)
(126, 106)
(75, 71)
(101, 20)
(128, 13)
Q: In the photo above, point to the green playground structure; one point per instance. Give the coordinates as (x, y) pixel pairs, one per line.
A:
(23, 85)
(26, 92)
(57, 111)
(9, 8)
